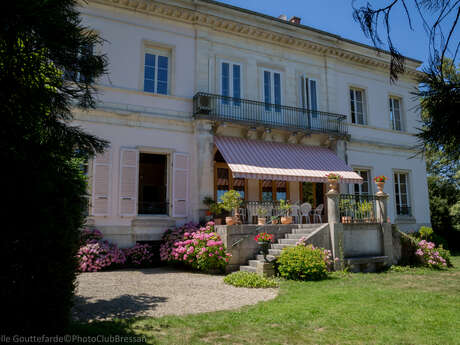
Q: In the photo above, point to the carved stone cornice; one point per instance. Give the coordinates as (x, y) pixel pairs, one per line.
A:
(217, 23)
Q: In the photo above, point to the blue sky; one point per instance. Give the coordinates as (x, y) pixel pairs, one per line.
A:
(335, 16)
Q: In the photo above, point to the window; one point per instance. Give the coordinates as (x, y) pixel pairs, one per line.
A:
(401, 181)
(231, 82)
(309, 96)
(156, 71)
(395, 113)
(272, 90)
(364, 188)
(357, 106)
(223, 182)
(273, 190)
(152, 184)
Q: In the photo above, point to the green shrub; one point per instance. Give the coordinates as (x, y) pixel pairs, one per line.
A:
(302, 263)
(445, 254)
(249, 280)
(425, 232)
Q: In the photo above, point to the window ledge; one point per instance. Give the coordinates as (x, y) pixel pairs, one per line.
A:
(405, 132)
(405, 220)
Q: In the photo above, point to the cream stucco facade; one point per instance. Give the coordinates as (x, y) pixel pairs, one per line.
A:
(198, 36)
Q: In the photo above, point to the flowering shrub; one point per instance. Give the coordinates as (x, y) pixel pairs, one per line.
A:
(139, 255)
(88, 235)
(302, 263)
(95, 255)
(264, 237)
(327, 254)
(430, 255)
(380, 178)
(200, 248)
(332, 176)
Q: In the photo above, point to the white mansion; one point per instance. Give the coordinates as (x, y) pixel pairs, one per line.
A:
(202, 97)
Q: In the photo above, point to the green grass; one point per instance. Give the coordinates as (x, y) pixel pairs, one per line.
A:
(249, 280)
(418, 306)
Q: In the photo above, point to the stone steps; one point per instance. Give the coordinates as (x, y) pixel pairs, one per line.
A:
(290, 240)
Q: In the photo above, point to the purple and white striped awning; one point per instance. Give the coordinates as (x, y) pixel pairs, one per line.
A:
(262, 160)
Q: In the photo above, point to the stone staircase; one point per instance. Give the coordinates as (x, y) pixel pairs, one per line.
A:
(290, 240)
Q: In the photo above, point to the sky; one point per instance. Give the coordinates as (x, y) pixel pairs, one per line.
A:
(336, 16)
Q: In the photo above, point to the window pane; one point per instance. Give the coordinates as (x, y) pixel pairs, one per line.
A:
(352, 106)
(149, 60)
(149, 85)
(267, 190)
(163, 62)
(225, 80)
(359, 96)
(162, 88)
(277, 81)
(149, 73)
(238, 185)
(281, 190)
(356, 188)
(365, 188)
(267, 90)
(314, 104)
(236, 84)
(222, 182)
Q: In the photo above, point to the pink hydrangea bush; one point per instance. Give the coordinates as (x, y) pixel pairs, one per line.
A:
(87, 235)
(199, 248)
(327, 254)
(139, 255)
(96, 255)
(430, 255)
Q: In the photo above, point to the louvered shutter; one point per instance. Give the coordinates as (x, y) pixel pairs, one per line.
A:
(129, 176)
(102, 166)
(181, 176)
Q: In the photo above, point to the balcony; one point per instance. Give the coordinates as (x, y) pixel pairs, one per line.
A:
(254, 113)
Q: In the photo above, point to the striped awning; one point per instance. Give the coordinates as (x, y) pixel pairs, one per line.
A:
(262, 160)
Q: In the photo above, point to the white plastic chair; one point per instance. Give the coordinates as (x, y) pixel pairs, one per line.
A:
(317, 213)
(305, 211)
(252, 211)
(295, 213)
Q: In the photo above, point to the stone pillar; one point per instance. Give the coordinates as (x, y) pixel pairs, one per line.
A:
(382, 207)
(204, 140)
(335, 227)
(332, 206)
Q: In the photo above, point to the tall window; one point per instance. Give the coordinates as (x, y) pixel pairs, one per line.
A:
(395, 113)
(272, 90)
(152, 184)
(401, 181)
(85, 52)
(364, 188)
(309, 94)
(357, 106)
(156, 71)
(231, 82)
(223, 182)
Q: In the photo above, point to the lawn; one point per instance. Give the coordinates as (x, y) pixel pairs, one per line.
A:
(419, 306)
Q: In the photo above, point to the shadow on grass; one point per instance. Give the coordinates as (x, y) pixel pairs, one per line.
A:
(121, 307)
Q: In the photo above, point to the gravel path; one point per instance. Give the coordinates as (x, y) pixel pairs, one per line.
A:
(157, 292)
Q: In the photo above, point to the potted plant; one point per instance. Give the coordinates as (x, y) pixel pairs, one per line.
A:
(345, 210)
(261, 214)
(275, 219)
(380, 182)
(264, 240)
(365, 211)
(231, 200)
(216, 210)
(285, 207)
(333, 179)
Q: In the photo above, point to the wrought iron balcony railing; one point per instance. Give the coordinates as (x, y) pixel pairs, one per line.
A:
(254, 113)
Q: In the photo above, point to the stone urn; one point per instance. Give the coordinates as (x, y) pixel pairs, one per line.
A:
(218, 221)
(380, 186)
(332, 184)
(261, 220)
(264, 247)
(230, 220)
(286, 220)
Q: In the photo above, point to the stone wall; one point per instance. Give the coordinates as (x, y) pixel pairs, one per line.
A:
(362, 240)
(239, 240)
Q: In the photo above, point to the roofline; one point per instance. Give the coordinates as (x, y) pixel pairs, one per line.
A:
(305, 27)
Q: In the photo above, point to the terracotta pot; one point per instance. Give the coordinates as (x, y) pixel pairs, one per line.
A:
(286, 220)
(346, 219)
(275, 221)
(230, 221)
(332, 184)
(208, 213)
(380, 186)
(261, 220)
(218, 221)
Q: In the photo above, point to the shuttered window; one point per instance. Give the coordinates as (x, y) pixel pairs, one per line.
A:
(102, 166)
(231, 82)
(272, 90)
(395, 113)
(129, 177)
(181, 180)
(357, 106)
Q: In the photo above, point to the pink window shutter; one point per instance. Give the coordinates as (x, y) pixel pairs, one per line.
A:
(129, 176)
(102, 168)
(181, 177)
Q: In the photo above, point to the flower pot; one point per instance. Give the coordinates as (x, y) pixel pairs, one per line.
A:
(208, 213)
(218, 221)
(332, 184)
(346, 219)
(286, 220)
(275, 221)
(261, 220)
(230, 221)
